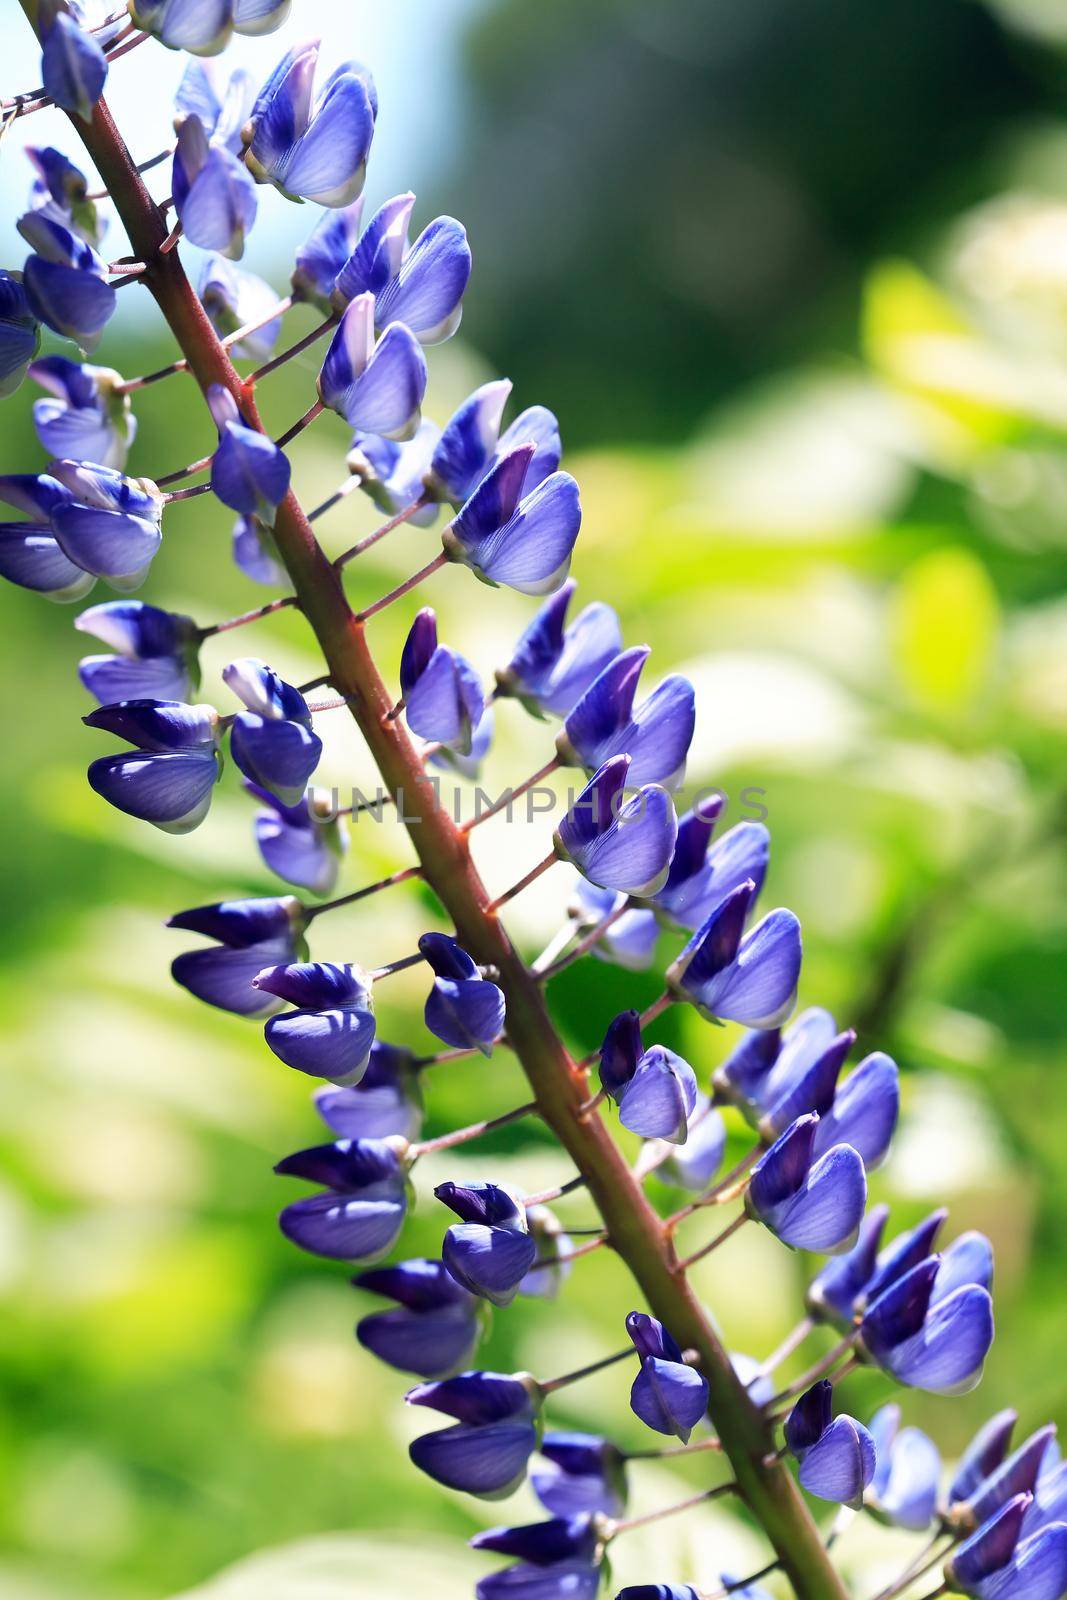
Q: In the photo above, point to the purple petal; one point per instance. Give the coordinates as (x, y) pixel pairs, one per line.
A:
(171, 790)
(669, 1397)
(333, 1044)
(343, 1229)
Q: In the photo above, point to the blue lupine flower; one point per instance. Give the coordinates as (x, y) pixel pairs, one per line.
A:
(967, 1260)
(322, 255)
(903, 1491)
(463, 1008)
(808, 1088)
(61, 191)
(387, 1100)
(312, 149)
(272, 741)
(655, 1090)
(155, 652)
(248, 471)
(760, 1080)
(620, 1051)
(30, 554)
(836, 1455)
(221, 100)
(559, 1559)
(169, 778)
(104, 522)
(837, 1292)
(907, 1250)
(87, 419)
(566, 1580)
(666, 1394)
(65, 281)
(1037, 1569)
(434, 1328)
(418, 650)
(249, 935)
(360, 1213)
(703, 874)
(741, 1079)
(693, 1163)
(420, 284)
(495, 1433)
(865, 1110)
(989, 1550)
(203, 27)
(1018, 1474)
(982, 1457)
(214, 197)
(861, 1112)
(255, 553)
(331, 1032)
(1050, 1493)
(552, 665)
(304, 843)
(809, 1204)
(929, 1343)
(544, 1544)
(630, 942)
(511, 535)
(491, 1250)
(20, 335)
(620, 844)
(741, 977)
(579, 1472)
(554, 1246)
(471, 444)
(658, 1591)
(377, 388)
(393, 472)
(442, 692)
(232, 297)
(73, 64)
(604, 723)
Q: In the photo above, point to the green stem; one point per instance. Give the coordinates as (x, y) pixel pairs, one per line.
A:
(637, 1233)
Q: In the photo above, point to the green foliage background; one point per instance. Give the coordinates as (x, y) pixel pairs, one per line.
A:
(840, 504)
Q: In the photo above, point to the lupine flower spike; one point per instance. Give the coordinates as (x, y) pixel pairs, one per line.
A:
(646, 891)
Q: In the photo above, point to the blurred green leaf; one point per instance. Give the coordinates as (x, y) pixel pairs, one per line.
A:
(946, 628)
